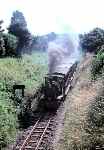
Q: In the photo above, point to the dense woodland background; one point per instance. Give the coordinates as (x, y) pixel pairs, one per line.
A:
(19, 40)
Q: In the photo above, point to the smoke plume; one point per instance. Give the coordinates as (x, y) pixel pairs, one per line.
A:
(62, 53)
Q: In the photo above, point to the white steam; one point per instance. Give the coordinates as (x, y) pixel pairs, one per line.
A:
(62, 53)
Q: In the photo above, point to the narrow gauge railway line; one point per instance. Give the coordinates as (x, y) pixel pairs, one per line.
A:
(39, 136)
(57, 86)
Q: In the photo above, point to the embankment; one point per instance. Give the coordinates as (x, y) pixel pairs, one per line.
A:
(80, 122)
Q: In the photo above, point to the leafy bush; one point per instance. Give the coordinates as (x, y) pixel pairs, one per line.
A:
(97, 64)
(96, 112)
(93, 40)
(95, 121)
(8, 43)
(11, 42)
(8, 119)
(2, 44)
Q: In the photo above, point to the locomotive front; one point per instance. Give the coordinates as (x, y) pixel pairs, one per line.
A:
(53, 89)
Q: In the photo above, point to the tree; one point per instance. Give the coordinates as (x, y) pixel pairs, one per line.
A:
(93, 40)
(18, 27)
(18, 18)
(11, 42)
(2, 44)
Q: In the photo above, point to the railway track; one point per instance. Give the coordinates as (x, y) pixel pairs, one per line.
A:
(39, 136)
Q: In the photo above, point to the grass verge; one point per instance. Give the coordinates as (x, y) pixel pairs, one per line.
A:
(29, 71)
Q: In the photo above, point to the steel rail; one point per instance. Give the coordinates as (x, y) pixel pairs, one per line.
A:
(40, 140)
(28, 137)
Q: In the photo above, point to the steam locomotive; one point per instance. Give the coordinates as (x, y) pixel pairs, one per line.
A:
(56, 87)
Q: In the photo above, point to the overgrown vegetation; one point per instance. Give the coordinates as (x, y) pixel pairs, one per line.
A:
(8, 118)
(26, 70)
(97, 65)
(18, 28)
(92, 41)
(84, 116)
(11, 43)
(8, 43)
(17, 71)
(95, 121)
(83, 121)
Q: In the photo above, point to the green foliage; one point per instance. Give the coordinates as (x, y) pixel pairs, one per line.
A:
(8, 43)
(1, 30)
(8, 120)
(18, 18)
(11, 42)
(95, 121)
(23, 71)
(96, 113)
(17, 71)
(97, 65)
(93, 40)
(2, 44)
(18, 27)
